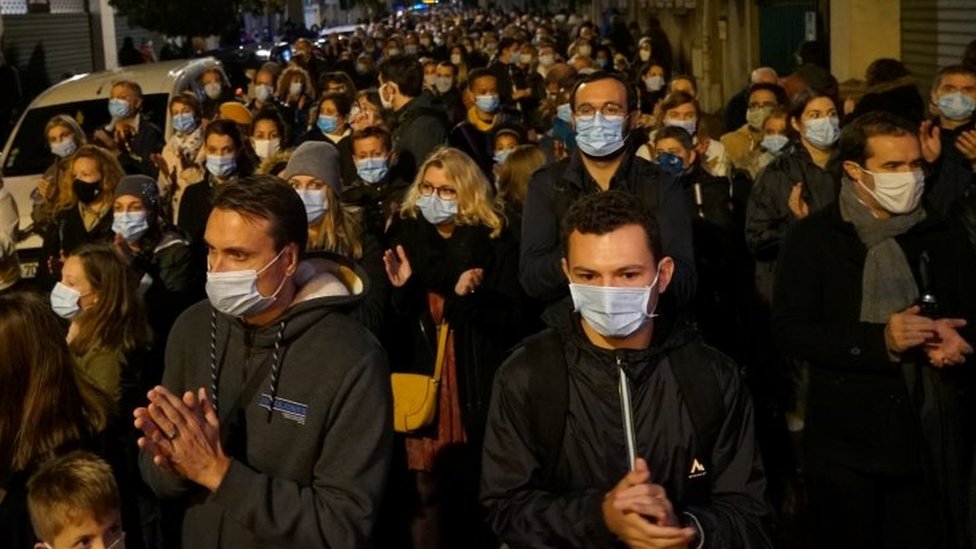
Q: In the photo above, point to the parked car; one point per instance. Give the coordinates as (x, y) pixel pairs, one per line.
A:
(85, 98)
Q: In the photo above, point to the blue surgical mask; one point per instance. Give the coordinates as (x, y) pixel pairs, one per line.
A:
(64, 148)
(501, 156)
(315, 203)
(130, 225)
(436, 210)
(670, 163)
(614, 311)
(690, 126)
(118, 108)
(600, 135)
(327, 124)
(564, 112)
(956, 106)
(488, 103)
(823, 132)
(184, 123)
(65, 301)
(774, 143)
(372, 170)
(221, 166)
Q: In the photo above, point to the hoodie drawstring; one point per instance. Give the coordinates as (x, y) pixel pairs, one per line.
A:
(275, 366)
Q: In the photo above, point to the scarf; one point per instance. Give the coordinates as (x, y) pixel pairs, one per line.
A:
(189, 144)
(478, 123)
(887, 285)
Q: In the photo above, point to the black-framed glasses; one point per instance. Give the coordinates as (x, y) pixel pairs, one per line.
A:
(444, 193)
(587, 110)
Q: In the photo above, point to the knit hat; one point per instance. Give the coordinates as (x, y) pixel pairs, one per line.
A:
(232, 110)
(142, 186)
(317, 159)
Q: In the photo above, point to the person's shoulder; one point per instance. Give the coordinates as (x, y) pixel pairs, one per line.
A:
(195, 320)
(723, 367)
(523, 363)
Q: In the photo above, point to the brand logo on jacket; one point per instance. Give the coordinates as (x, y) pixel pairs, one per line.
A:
(289, 409)
(697, 469)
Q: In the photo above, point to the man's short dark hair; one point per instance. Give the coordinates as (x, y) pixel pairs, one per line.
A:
(505, 43)
(603, 75)
(478, 74)
(268, 197)
(342, 101)
(854, 138)
(674, 132)
(604, 212)
(775, 89)
(406, 72)
(378, 132)
(951, 70)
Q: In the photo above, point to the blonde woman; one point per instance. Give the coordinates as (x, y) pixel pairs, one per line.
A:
(513, 182)
(313, 171)
(83, 212)
(445, 265)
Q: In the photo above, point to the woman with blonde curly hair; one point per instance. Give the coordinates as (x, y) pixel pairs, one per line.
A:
(83, 212)
(448, 265)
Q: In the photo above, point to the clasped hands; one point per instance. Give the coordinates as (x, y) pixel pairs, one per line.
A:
(183, 436)
(942, 343)
(641, 515)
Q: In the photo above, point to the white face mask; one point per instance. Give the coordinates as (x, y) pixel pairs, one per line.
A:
(897, 193)
(387, 103)
(614, 311)
(266, 147)
(65, 301)
(236, 293)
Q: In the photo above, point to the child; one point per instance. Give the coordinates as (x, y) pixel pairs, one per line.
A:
(73, 501)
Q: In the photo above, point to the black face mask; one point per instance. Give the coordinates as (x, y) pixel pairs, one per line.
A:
(86, 192)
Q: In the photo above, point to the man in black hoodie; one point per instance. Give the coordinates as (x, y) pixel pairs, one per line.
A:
(282, 436)
(559, 441)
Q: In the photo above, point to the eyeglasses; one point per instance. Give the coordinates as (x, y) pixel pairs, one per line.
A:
(444, 193)
(608, 109)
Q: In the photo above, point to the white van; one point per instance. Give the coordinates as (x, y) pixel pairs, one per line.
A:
(84, 98)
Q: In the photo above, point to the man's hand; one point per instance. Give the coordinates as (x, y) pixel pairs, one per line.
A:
(908, 329)
(929, 137)
(948, 347)
(397, 265)
(468, 281)
(796, 203)
(966, 144)
(184, 436)
(635, 496)
(101, 137)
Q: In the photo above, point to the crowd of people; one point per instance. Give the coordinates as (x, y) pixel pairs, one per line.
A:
(482, 279)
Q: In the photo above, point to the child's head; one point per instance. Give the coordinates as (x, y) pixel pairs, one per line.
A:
(73, 501)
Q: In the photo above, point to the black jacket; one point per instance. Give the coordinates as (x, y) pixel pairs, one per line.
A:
(952, 177)
(66, 234)
(421, 127)
(136, 157)
(768, 215)
(865, 411)
(554, 188)
(380, 201)
(527, 511)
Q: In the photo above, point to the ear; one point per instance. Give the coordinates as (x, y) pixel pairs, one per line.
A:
(693, 157)
(292, 259)
(665, 273)
(796, 126)
(565, 266)
(853, 171)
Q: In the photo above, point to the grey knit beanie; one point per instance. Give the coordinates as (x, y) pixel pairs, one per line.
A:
(317, 159)
(142, 186)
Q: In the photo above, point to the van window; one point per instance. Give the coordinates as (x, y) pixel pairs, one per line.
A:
(29, 153)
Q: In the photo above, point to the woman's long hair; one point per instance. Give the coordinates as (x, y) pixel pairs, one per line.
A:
(340, 230)
(513, 178)
(43, 404)
(474, 205)
(108, 165)
(117, 319)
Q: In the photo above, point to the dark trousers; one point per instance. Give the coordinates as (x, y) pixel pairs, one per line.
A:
(858, 510)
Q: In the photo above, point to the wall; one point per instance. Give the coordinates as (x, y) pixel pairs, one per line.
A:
(862, 31)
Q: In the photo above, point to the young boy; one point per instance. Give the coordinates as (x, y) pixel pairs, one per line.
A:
(74, 502)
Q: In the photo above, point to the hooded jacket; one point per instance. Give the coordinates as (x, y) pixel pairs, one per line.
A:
(525, 510)
(310, 472)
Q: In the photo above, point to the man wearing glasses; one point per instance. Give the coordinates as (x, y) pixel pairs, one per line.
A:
(604, 111)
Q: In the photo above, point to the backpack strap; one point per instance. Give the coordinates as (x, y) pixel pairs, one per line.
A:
(562, 192)
(548, 391)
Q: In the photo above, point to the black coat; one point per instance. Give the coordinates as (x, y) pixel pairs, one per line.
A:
(66, 234)
(951, 177)
(554, 188)
(421, 127)
(136, 157)
(528, 507)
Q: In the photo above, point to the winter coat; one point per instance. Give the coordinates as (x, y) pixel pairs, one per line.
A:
(421, 127)
(952, 177)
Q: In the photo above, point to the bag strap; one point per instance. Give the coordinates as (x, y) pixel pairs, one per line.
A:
(442, 331)
(251, 387)
(548, 396)
(699, 388)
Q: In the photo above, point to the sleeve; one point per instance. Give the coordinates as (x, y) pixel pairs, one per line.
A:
(520, 510)
(340, 505)
(767, 214)
(541, 249)
(738, 514)
(801, 328)
(674, 216)
(175, 268)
